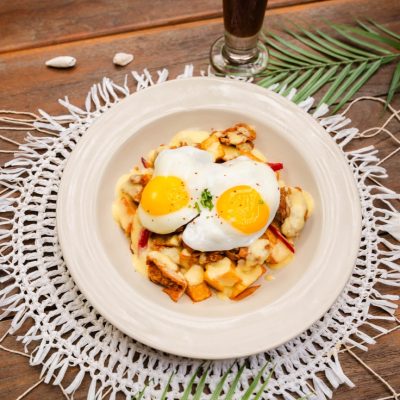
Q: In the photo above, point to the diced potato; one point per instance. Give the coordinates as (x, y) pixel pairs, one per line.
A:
(230, 152)
(124, 211)
(221, 274)
(198, 292)
(195, 275)
(171, 252)
(246, 293)
(197, 289)
(189, 138)
(213, 146)
(283, 263)
(185, 258)
(257, 253)
(247, 278)
(279, 253)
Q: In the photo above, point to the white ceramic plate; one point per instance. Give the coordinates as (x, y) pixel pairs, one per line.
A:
(98, 256)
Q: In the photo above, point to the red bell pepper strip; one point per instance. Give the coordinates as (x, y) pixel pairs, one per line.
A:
(143, 239)
(145, 163)
(279, 235)
(275, 166)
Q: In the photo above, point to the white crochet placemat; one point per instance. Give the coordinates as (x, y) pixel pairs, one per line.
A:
(67, 331)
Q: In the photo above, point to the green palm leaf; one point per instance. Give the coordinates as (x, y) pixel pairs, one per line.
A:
(310, 61)
(140, 395)
(220, 385)
(372, 35)
(395, 84)
(254, 384)
(387, 31)
(235, 382)
(198, 388)
(165, 392)
(262, 388)
(340, 62)
(200, 385)
(188, 389)
(357, 85)
(344, 31)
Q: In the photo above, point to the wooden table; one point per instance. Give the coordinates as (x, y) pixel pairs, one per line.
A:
(163, 34)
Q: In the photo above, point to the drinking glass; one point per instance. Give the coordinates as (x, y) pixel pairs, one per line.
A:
(239, 51)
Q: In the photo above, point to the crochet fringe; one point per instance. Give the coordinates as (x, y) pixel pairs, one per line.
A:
(67, 332)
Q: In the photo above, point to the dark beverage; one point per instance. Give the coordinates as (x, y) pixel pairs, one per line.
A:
(244, 18)
(239, 51)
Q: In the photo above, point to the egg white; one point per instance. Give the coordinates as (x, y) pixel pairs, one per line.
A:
(187, 163)
(209, 232)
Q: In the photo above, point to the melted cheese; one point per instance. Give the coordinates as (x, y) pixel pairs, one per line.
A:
(140, 264)
(189, 138)
(294, 223)
(283, 263)
(257, 153)
(310, 203)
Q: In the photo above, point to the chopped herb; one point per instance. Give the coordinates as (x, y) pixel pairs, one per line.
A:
(197, 207)
(206, 199)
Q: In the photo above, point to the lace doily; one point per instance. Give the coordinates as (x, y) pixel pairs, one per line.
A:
(67, 331)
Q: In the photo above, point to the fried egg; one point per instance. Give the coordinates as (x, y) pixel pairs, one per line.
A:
(169, 199)
(244, 198)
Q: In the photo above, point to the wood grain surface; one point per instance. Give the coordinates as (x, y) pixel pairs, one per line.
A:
(165, 34)
(29, 24)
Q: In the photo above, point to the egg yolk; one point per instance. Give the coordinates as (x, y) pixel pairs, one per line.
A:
(243, 207)
(164, 195)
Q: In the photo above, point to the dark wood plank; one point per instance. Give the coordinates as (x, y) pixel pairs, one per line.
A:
(29, 84)
(16, 376)
(378, 358)
(27, 24)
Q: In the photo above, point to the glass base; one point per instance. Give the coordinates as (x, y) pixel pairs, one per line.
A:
(221, 63)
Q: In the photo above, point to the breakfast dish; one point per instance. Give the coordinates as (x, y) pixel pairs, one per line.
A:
(208, 213)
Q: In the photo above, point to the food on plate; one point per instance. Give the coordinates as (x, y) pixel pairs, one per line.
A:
(208, 214)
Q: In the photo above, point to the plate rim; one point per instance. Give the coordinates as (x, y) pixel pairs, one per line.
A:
(68, 170)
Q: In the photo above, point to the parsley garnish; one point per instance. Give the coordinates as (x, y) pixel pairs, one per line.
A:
(197, 207)
(206, 199)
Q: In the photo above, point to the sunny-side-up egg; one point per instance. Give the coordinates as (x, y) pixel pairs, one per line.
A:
(169, 199)
(244, 197)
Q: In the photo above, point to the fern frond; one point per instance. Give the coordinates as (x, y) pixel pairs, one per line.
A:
(165, 391)
(314, 59)
(395, 84)
(188, 389)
